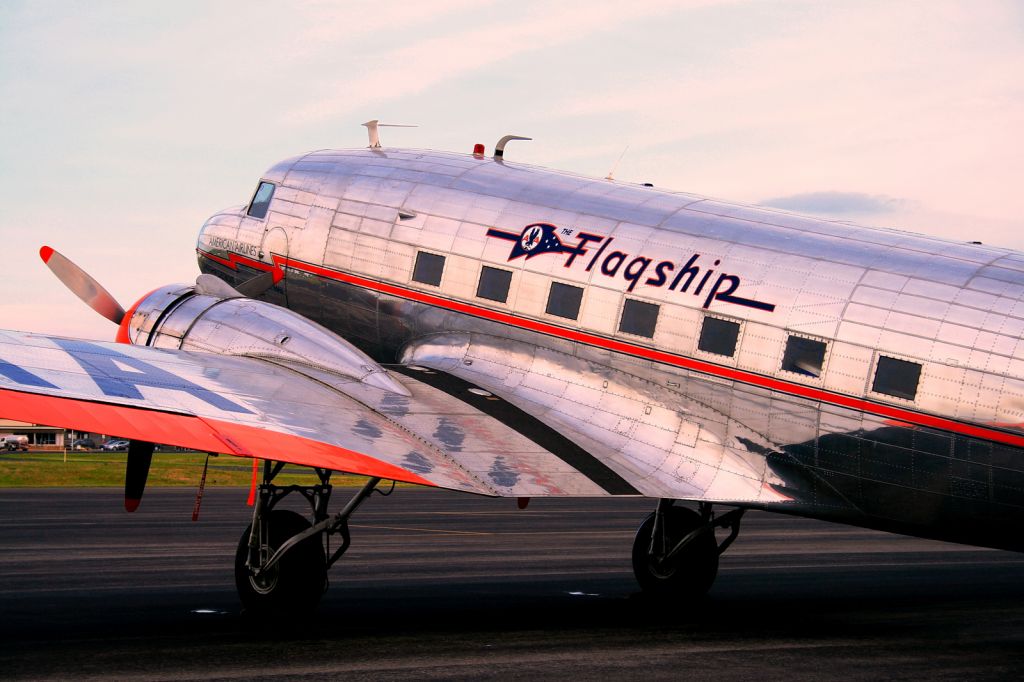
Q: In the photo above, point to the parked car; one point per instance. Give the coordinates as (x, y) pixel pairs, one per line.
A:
(115, 445)
(83, 444)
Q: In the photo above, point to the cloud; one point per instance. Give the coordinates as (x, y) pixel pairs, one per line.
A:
(880, 210)
(872, 98)
(834, 203)
(417, 66)
(327, 23)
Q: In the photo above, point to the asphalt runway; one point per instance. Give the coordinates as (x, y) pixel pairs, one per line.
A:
(446, 586)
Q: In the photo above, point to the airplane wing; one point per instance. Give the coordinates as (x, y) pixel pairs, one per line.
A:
(623, 432)
(233, 405)
(256, 408)
(484, 416)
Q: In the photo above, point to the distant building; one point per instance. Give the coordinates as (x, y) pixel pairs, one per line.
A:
(45, 437)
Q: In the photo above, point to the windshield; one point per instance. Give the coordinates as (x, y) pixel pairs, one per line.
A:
(261, 200)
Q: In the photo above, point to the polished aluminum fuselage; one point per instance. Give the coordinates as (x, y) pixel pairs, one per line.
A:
(346, 227)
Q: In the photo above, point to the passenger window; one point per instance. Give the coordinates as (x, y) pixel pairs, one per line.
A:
(803, 356)
(428, 269)
(564, 300)
(494, 284)
(639, 318)
(719, 336)
(261, 200)
(897, 378)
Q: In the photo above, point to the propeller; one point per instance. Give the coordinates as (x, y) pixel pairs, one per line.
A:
(140, 453)
(140, 456)
(82, 285)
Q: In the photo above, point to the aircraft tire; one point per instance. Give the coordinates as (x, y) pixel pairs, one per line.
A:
(296, 583)
(691, 573)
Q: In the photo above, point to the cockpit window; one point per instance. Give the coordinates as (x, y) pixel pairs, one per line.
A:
(261, 200)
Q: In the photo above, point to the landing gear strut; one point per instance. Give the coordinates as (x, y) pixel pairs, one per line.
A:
(675, 553)
(282, 559)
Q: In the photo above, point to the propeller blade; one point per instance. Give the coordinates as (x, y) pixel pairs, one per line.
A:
(211, 285)
(140, 455)
(82, 285)
(252, 288)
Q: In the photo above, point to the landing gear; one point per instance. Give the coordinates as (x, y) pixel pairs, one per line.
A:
(675, 553)
(296, 581)
(282, 559)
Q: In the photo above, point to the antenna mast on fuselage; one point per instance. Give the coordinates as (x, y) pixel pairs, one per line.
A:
(374, 133)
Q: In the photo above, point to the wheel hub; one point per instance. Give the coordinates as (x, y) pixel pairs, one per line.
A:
(663, 569)
(265, 581)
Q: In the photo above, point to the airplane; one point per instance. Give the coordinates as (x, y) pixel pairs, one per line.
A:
(469, 323)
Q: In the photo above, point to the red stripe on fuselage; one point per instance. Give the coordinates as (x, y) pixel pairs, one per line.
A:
(779, 385)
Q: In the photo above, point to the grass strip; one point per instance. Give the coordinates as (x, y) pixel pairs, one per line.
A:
(100, 469)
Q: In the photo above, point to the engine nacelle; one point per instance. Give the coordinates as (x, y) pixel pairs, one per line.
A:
(210, 317)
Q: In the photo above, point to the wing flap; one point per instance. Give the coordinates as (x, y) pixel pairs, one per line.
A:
(503, 448)
(659, 442)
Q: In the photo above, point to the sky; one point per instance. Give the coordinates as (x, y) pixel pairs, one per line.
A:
(124, 125)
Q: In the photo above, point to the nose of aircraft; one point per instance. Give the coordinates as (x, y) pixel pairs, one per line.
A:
(219, 236)
(212, 226)
(203, 241)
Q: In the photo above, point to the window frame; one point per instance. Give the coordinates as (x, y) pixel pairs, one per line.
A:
(873, 379)
(415, 262)
(266, 213)
(622, 316)
(480, 280)
(824, 356)
(720, 318)
(579, 307)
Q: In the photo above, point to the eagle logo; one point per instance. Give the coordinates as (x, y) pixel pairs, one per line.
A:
(538, 238)
(531, 238)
